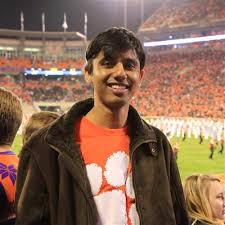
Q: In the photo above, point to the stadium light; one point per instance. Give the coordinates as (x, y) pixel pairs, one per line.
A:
(125, 13)
(7, 48)
(81, 35)
(31, 49)
(185, 40)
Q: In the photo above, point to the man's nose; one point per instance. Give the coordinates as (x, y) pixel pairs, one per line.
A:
(120, 71)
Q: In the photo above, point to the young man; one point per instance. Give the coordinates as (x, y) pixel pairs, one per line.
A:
(100, 163)
(10, 120)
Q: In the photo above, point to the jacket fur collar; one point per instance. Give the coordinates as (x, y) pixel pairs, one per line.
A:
(62, 132)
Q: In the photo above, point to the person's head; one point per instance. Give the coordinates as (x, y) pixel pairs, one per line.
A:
(115, 62)
(10, 116)
(204, 195)
(37, 121)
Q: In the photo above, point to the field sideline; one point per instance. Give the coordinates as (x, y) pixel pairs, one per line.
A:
(192, 157)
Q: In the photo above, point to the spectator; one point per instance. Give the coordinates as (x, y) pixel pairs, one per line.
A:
(204, 195)
(36, 121)
(10, 120)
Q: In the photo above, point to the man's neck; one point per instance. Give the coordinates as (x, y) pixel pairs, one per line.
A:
(108, 118)
(4, 148)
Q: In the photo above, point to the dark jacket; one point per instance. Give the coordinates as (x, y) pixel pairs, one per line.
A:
(53, 187)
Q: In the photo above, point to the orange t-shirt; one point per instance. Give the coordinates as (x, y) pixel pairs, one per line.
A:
(106, 156)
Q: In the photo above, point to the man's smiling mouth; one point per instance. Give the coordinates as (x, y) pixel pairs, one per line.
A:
(118, 86)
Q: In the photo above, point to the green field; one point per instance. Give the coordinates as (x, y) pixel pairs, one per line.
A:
(192, 157)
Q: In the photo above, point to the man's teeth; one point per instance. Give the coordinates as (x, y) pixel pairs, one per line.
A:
(115, 86)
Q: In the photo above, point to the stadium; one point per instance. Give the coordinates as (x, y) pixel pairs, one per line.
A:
(182, 92)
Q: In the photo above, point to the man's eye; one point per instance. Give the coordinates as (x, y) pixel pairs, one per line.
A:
(106, 63)
(129, 66)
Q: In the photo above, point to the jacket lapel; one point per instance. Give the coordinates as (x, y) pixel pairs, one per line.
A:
(61, 138)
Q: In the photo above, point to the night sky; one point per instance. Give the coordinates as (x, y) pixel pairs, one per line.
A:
(101, 14)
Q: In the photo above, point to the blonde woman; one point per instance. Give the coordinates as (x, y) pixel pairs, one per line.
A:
(204, 195)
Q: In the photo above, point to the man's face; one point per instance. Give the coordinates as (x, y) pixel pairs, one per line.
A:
(115, 79)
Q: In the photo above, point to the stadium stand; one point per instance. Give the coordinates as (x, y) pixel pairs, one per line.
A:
(184, 83)
(185, 13)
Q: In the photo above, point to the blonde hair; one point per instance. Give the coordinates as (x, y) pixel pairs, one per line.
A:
(196, 192)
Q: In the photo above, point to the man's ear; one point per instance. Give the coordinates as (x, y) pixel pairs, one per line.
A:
(142, 73)
(87, 75)
(88, 69)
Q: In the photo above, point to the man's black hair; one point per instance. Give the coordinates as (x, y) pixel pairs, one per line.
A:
(112, 42)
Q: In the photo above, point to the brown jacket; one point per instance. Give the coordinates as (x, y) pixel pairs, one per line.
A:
(53, 187)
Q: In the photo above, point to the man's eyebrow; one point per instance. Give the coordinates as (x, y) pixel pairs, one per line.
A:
(108, 58)
(132, 60)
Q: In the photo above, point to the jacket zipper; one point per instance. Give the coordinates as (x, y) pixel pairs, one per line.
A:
(134, 182)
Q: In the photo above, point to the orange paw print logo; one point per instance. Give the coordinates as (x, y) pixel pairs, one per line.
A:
(113, 190)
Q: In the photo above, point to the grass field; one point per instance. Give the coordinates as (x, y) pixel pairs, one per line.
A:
(192, 157)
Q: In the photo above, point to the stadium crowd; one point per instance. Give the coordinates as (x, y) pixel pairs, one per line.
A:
(174, 14)
(178, 83)
(184, 84)
(58, 90)
(13, 65)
